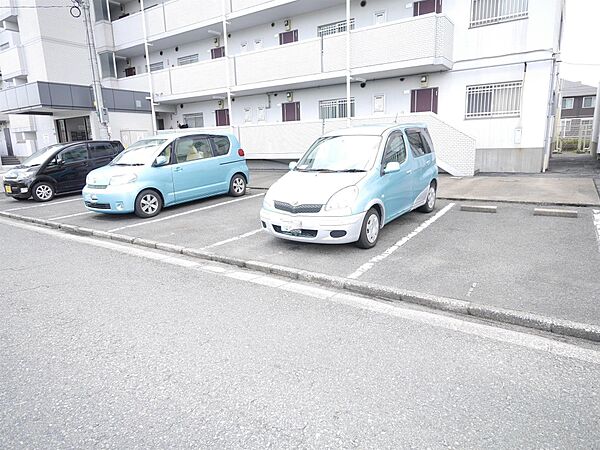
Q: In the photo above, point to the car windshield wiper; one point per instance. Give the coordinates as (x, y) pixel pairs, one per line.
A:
(125, 164)
(351, 170)
(320, 170)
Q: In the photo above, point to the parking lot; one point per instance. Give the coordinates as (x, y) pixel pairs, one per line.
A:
(510, 259)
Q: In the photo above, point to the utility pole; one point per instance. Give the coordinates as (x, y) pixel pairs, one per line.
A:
(102, 112)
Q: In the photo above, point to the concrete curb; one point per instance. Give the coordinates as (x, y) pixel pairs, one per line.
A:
(506, 316)
(517, 202)
(479, 208)
(555, 212)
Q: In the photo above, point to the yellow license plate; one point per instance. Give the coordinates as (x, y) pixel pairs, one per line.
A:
(8, 189)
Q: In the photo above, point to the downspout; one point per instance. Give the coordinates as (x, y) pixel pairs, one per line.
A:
(348, 105)
(150, 83)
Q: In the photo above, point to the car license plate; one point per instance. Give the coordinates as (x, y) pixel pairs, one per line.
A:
(8, 189)
(288, 226)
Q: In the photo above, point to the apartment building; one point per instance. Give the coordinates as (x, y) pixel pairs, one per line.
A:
(481, 73)
(45, 94)
(578, 102)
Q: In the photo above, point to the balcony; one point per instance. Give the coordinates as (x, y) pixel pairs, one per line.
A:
(405, 47)
(8, 10)
(164, 20)
(12, 63)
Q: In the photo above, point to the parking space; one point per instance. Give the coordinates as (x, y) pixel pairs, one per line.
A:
(511, 259)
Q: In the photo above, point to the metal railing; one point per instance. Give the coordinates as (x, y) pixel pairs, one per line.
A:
(487, 12)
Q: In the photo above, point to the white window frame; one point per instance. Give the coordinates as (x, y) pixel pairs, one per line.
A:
(189, 59)
(376, 99)
(334, 28)
(494, 100)
(194, 117)
(332, 109)
(490, 12)
(564, 101)
(592, 99)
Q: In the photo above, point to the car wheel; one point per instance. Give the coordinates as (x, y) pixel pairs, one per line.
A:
(237, 187)
(369, 232)
(148, 204)
(43, 192)
(431, 197)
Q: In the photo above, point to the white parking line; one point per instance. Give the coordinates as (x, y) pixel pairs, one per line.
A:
(41, 205)
(509, 336)
(71, 215)
(148, 222)
(233, 239)
(597, 224)
(369, 265)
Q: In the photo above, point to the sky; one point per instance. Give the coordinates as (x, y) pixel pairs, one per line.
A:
(581, 42)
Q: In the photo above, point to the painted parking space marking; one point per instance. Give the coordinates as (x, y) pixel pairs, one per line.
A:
(596, 216)
(42, 205)
(204, 208)
(71, 215)
(233, 239)
(376, 259)
(483, 330)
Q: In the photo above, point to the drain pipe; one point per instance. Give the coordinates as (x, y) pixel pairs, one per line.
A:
(596, 127)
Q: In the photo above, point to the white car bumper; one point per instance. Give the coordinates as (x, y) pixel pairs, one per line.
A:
(312, 228)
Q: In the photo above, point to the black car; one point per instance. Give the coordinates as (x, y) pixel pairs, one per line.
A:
(58, 169)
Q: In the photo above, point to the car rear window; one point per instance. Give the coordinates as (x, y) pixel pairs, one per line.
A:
(221, 145)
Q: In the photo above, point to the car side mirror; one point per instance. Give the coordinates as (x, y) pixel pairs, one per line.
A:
(293, 165)
(392, 166)
(160, 160)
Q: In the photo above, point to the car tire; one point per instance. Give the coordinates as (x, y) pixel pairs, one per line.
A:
(237, 186)
(429, 205)
(43, 191)
(148, 204)
(369, 233)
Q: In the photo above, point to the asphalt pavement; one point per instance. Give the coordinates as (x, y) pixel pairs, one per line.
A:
(102, 345)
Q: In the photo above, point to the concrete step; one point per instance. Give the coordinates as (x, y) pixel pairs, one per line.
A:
(10, 161)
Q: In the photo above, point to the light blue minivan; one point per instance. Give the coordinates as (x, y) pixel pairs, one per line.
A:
(352, 182)
(166, 170)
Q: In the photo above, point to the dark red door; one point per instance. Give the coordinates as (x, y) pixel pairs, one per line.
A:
(290, 111)
(423, 100)
(222, 117)
(217, 52)
(288, 37)
(427, 7)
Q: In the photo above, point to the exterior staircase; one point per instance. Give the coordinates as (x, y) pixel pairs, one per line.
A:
(10, 160)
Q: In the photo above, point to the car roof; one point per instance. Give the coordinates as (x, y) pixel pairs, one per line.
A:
(373, 130)
(177, 134)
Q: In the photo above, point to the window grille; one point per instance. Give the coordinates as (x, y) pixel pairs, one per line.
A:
(157, 66)
(488, 12)
(494, 100)
(190, 59)
(334, 28)
(337, 108)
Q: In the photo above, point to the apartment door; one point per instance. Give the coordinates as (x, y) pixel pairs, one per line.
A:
(427, 7)
(8, 141)
(222, 117)
(290, 111)
(288, 37)
(423, 100)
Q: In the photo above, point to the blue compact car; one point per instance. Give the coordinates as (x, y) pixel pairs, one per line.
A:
(352, 182)
(166, 170)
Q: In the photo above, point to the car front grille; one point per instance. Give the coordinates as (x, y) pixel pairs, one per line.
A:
(97, 186)
(308, 208)
(297, 233)
(97, 205)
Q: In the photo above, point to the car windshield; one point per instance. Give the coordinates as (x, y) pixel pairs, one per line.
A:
(139, 154)
(340, 154)
(41, 156)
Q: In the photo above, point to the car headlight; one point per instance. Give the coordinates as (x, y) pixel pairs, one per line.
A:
(268, 202)
(122, 179)
(24, 176)
(342, 199)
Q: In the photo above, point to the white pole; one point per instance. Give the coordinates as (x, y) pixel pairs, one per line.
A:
(227, 65)
(348, 106)
(596, 126)
(150, 83)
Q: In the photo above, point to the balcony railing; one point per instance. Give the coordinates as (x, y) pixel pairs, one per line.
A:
(8, 9)
(12, 63)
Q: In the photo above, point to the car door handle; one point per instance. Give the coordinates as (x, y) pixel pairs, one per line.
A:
(408, 172)
(177, 169)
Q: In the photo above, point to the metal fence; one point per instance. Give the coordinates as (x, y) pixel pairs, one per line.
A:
(573, 135)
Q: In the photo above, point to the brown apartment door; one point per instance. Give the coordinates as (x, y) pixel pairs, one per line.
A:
(423, 100)
(222, 117)
(288, 37)
(290, 111)
(427, 7)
